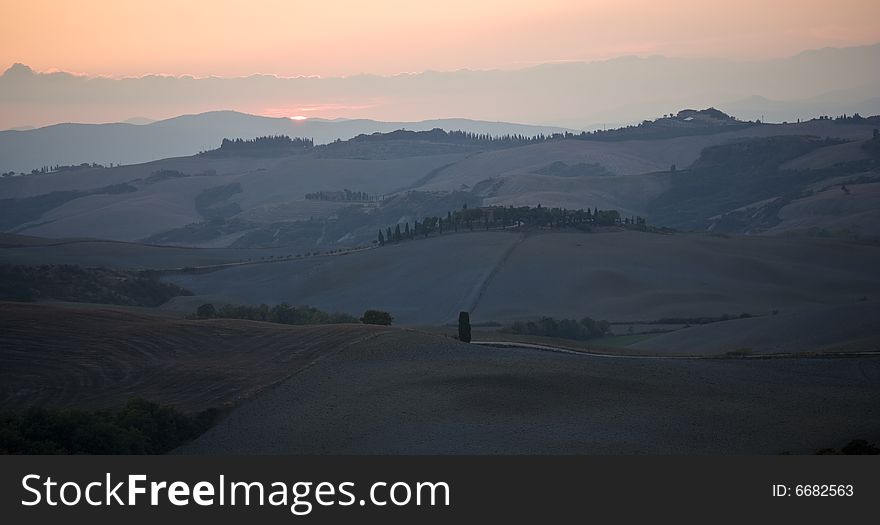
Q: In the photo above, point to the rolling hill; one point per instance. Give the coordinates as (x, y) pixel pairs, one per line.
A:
(623, 276)
(382, 390)
(262, 200)
(99, 357)
(410, 393)
(129, 143)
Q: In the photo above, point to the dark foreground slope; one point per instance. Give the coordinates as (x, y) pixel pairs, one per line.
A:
(99, 358)
(411, 393)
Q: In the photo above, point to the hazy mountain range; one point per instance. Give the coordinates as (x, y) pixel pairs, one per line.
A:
(579, 95)
(136, 141)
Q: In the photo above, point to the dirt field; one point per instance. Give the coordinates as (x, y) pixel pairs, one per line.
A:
(98, 358)
(409, 393)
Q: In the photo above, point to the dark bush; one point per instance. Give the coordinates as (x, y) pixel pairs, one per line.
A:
(140, 427)
(377, 317)
(281, 313)
(582, 330)
(66, 282)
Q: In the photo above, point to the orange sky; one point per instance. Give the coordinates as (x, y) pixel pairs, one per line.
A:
(332, 37)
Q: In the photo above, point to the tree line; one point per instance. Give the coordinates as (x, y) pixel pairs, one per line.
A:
(345, 195)
(281, 313)
(268, 142)
(285, 314)
(583, 330)
(500, 217)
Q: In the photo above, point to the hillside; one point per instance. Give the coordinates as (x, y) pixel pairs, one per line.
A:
(236, 198)
(25, 250)
(616, 276)
(365, 389)
(410, 393)
(127, 143)
(101, 357)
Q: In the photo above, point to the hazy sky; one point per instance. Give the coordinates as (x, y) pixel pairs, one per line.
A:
(334, 38)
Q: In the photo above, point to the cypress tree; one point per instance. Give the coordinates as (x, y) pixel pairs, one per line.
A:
(464, 327)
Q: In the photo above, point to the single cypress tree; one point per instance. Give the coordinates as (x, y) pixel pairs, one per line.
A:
(381, 239)
(464, 327)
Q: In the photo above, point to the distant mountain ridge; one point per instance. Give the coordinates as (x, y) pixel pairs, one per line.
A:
(581, 95)
(128, 143)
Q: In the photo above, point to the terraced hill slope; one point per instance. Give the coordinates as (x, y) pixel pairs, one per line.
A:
(99, 358)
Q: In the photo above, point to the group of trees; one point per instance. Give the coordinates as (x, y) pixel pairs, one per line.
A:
(285, 314)
(855, 118)
(342, 196)
(43, 170)
(438, 135)
(281, 313)
(140, 427)
(582, 330)
(66, 282)
(658, 128)
(495, 217)
(267, 143)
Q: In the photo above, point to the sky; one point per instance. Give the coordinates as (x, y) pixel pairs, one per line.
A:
(377, 59)
(387, 37)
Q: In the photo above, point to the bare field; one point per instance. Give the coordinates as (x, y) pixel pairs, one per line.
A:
(100, 357)
(412, 393)
(828, 329)
(834, 210)
(631, 276)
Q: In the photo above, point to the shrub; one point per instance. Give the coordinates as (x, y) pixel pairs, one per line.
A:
(377, 317)
(206, 311)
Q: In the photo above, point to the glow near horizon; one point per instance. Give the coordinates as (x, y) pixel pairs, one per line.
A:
(386, 37)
